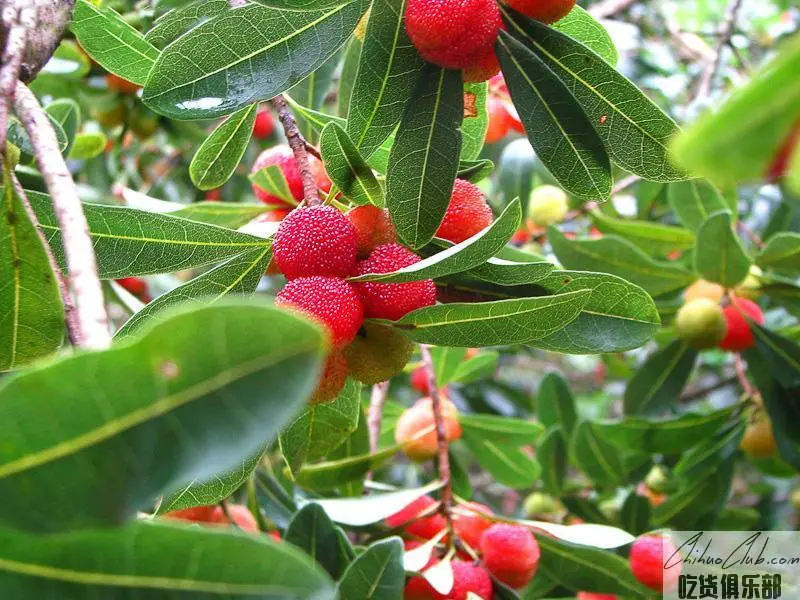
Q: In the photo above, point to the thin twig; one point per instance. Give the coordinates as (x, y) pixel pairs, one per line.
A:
(608, 8)
(92, 331)
(446, 506)
(745, 229)
(16, 23)
(312, 149)
(375, 414)
(725, 33)
(298, 144)
(705, 391)
(741, 375)
(625, 183)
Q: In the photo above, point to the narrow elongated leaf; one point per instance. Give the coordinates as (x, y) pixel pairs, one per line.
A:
(424, 158)
(476, 120)
(653, 238)
(312, 531)
(239, 275)
(445, 362)
(388, 69)
(313, 90)
(482, 366)
(555, 405)
(194, 392)
(711, 452)
(685, 508)
(722, 259)
(470, 253)
(137, 563)
(112, 42)
(220, 153)
(552, 456)
(225, 214)
(658, 382)
(299, 5)
(273, 180)
(31, 312)
(504, 430)
(133, 242)
(345, 456)
(596, 457)
(580, 25)
(695, 200)
(619, 257)
(347, 79)
(781, 252)
(330, 474)
(479, 324)
(348, 169)
(506, 462)
(635, 131)
(377, 574)
(557, 127)
(173, 24)
(635, 514)
(244, 55)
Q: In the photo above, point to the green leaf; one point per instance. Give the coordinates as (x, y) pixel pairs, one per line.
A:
(347, 79)
(445, 362)
(330, 474)
(313, 532)
(580, 25)
(347, 169)
(505, 272)
(137, 562)
(653, 238)
(555, 123)
(695, 200)
(687, 506)
(272, 180)
(131, 242)
(635, 514)
(424, 158)
(67, 113)
(19, 137)
(476, 120)
(555, 405)
(781, 252)
(88, 145)
(470, 253)
(710, 452)
(67, 62)
(231, 215)
(313, 90)
(619, 257)
(482, 366)
(31, 312)
(713, 146)
(506, 462)
(112, 42)
(239, 275)
(552, 455)
(377, 574)
(782, 354)
(503, 430)
(387, 72)
(596, 457)
(345, 456)
(266, 52)
(723, 259)
(635, 132)
(320, 428)
(657, 384)
(174, 23)
(475, 170)
(300, 5)
(504, 322)
(220, 153)
(193, 369)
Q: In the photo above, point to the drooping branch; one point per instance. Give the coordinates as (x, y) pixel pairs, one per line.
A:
(298, 145)
(92, 321)
(726, 31)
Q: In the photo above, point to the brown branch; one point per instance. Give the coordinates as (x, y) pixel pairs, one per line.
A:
(298, 144)
(375, 414)
(446, 506)
(741, 375)
(704, 391)
(16, 24)
(725, 33)
(312, 149)
(757, 241)
(608, 8)
(92, 321)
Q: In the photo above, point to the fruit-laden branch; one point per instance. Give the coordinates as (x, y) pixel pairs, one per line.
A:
(299, 147)
(443, 462)
(726, 31)
(92, 320)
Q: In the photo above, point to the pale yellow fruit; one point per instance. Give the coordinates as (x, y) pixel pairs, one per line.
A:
(538, 503)
(758, 440)
(701, 324)
(751, 286)
(548, 205)
(704, 289)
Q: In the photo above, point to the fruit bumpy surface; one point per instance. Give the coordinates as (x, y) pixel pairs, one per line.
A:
(739, 336)
(318, 240)
(425, 528)
(511, 554)
(467, 578)
(374, 228)
(469, 524)
(467, 214)
(330, 301)
(420, 417)
(332, 380)
(648, 555)
(377, 354)
(283, 157)
(546, 11)
(701, 324)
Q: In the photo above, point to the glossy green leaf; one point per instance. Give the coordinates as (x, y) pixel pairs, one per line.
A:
(137, 562)
(555, 405)
(272, 180)
(634, 130)
(19, 137)
(225, 214)
(132, 242)
(476, 120)
(506, 462)
(220, 153)
(474, 325)
(424, 158)
(781, 252)
(508, 272)
(475, 170)
(194, 369)
(614, 255)
(503, 430)
(239, 275)
(112, 42)
(555, 123)
(723, 259)
(482, 366)
(657, 384)
(67, 113)
(313, 91)
(266, 51)
(695, 200)
(300, 5)
(387, 72)
(347, 79)
(635, 514)
(377, 574)
(31, 311)
(88, 145)
(174, 23)
(653, 238)
(337, 472)
(351, 451)
(320, 428)
(552, 454)
(596, 457)
(348, 169)
(580, 25)
(313, 532)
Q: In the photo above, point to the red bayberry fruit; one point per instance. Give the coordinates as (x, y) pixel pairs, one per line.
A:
(135, 285)
(498, 120)
(214, 195)
(424, 528)
(511, 554)
(264, 125)
(332, 380)
(466, 214)
(739, 337)
(649, 554)
(392, 300)
(470, 525)
(240, 516)
(318, 240)
(419, 380)
(455, 34)
(593, 596)
(468, 578)
(196, 514)
(374, 227)
(485, 68)
(419, 418)
(123, 86)
(546, 11)
(780, 165)
(330, 301)
(282, 156)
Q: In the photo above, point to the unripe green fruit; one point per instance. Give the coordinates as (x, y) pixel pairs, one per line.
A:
(701, 324)
(540, 504)
(794, 498)
(548, 205)
(377, 354)
(656, 479)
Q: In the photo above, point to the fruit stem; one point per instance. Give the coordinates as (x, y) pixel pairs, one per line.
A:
(299, 146)
(443, 463)
(741, 374)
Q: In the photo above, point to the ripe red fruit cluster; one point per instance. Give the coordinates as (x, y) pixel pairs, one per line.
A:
(264, 125)
(282, 156)
(739, 336)
(214, 514)
(467, 214)
(468, 578)
(649, 554)
(424, 528)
